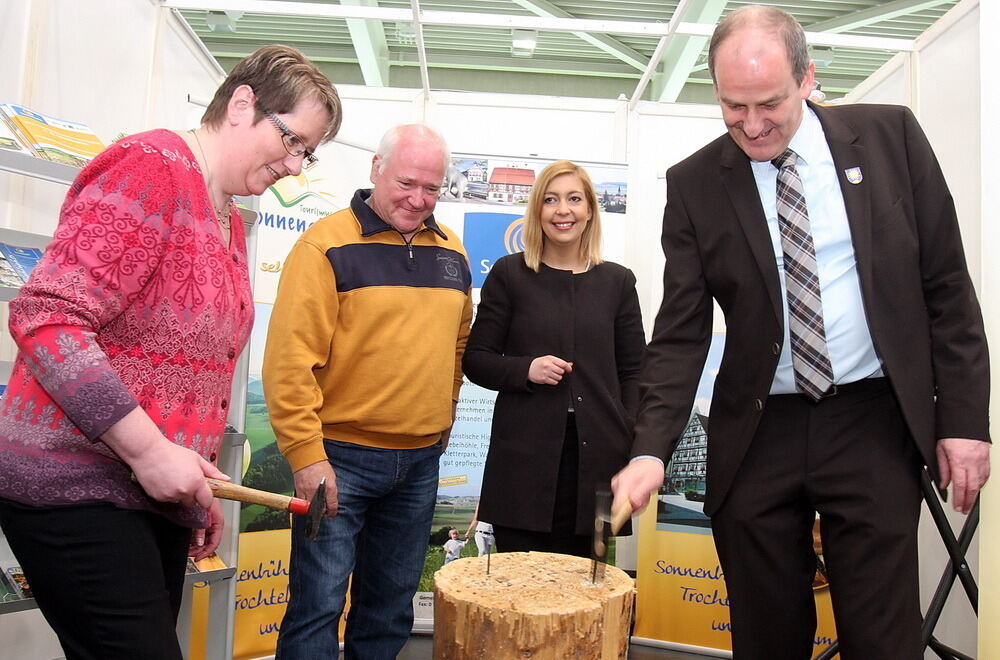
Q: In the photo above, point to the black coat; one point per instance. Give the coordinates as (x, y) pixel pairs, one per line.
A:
(921, 307)
(591, 319)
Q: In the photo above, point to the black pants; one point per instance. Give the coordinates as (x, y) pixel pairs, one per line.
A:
(109, 581)
(851, 459)
(563, 537)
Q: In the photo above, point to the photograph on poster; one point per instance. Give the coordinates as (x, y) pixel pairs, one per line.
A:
(682, 496)
(506, 181)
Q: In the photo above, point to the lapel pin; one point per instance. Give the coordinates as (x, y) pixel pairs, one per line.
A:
(854, 175)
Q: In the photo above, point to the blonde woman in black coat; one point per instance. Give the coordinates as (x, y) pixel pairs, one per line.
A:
(559, 334)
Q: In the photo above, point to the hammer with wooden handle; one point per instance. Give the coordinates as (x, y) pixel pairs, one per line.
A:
(313, 509)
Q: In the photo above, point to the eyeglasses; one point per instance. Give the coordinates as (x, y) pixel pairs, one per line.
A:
(293, 143)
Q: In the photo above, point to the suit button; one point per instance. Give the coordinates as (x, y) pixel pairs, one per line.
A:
(776, 348)
(580, 399)
(213, 457)
(758, 404)
(224, 404)
(231, 353)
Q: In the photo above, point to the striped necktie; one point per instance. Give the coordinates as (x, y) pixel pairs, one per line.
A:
(810, 359)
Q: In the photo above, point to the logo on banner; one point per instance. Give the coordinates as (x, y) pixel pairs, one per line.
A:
(489, 236)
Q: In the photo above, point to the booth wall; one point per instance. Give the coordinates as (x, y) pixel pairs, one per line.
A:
(940, 81)
(989, 543)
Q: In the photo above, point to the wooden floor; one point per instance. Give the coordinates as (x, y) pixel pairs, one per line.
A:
(420, 647)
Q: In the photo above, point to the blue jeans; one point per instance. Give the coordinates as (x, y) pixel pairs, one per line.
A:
(381, 532)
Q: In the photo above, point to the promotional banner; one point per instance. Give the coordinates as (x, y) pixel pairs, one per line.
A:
(681, 590)
(482, 201)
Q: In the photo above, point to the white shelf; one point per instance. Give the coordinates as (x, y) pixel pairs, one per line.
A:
(209, 577)
(17, 605)
(38, 168)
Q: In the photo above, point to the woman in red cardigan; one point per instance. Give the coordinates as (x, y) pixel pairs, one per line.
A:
(559, 333)
(128, 332)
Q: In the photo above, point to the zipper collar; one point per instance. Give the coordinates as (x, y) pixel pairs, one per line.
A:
(372, 224)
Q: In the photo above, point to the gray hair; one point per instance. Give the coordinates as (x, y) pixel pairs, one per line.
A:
(391, 138)
(768, 18)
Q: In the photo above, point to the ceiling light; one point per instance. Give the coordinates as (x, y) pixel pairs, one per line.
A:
(222, 21)
(406, 34)
(522, 42)
(821, 55)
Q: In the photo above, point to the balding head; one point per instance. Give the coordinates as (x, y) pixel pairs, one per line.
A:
(774, 24)
(407, 173)
(421, 133)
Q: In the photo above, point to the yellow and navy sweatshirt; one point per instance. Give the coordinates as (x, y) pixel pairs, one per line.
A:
(366, 336)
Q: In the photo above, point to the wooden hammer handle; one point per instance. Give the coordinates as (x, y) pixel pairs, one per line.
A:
(621, 511)
(228, 491)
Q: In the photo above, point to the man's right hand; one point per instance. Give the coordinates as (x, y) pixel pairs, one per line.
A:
(638, 480)
(307, 481)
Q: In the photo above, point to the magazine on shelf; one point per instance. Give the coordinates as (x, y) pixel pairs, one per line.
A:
(8, 591)
(59, 140)
(10, 141)
(8, 276)
(22, 260)
(15, 579)
(210, 563)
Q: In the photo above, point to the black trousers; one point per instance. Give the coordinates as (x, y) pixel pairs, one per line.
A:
(563, 537)
(850, 458)
(109, 581)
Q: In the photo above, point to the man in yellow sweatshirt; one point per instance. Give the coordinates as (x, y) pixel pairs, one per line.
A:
(361, 373)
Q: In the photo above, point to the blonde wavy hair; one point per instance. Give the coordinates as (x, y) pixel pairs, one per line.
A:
(534, 237)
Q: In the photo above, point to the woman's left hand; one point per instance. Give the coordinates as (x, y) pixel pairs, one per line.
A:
(205, 541)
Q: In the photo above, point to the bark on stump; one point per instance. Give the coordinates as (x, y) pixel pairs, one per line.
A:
(534, 605)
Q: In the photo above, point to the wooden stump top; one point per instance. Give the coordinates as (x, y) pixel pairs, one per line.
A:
(531, 582)
(532, 605)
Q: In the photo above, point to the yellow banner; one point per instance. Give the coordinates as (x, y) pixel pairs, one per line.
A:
(261, 592)
(681, 591)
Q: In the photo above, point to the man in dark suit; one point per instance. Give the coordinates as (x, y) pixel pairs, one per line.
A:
(855, 351)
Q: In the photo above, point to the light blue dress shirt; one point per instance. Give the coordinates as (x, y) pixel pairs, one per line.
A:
(849, 342)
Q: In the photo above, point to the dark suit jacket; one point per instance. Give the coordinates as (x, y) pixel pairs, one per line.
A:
(591, 319)
(922, 310)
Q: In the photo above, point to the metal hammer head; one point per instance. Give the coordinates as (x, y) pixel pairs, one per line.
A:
(317, 506)
(602, 535)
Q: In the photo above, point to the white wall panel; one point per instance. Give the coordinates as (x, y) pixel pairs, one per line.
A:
(943, 89)
(947, 86)
(658, 140)
(989, 544)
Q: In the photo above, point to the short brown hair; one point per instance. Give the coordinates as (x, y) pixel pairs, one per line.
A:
(280, 76)
(590, 241)
(769, 18)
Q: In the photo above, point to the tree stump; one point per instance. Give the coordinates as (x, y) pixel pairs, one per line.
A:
(534, 605)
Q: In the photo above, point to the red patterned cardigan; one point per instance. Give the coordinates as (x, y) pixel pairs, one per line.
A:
(137, 301)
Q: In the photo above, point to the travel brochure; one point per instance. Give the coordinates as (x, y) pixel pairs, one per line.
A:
(59, 140)
(16, 263)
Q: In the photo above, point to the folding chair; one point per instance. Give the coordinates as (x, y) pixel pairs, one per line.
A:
(957, 567)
